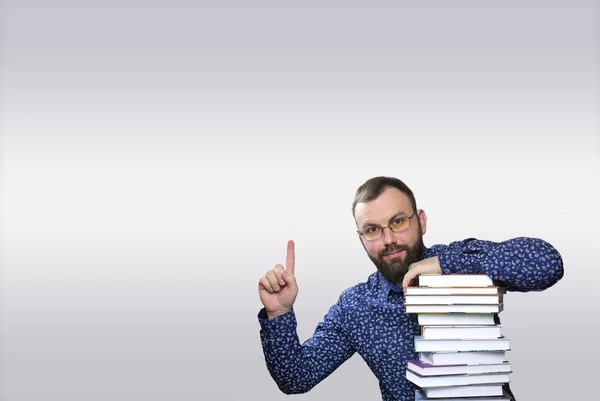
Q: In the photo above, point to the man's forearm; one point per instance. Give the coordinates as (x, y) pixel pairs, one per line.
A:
(522, 264)
(295, 367)
(282, 351)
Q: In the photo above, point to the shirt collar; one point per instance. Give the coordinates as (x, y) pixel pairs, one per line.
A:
(387, 286)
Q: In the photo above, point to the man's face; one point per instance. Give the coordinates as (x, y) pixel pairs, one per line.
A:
(392, 253)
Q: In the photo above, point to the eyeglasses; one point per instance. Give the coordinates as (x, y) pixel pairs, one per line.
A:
(397, 224)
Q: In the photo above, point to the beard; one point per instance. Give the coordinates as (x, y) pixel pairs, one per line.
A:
(395, 269)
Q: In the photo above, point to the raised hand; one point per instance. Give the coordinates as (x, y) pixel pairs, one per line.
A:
(278, 288)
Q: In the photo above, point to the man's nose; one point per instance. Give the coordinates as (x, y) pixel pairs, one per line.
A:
(388, 236)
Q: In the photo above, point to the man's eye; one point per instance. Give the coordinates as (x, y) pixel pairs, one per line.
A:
(371, 230)
(398, 222)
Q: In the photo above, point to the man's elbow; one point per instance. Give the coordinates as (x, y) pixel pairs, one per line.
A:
(553, 263)
(295, 384)
(556, 272)
(293, 389)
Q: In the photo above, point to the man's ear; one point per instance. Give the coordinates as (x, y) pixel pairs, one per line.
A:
(423, 220)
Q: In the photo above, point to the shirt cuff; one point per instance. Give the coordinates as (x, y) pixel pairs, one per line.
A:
(450, 262)
(276, 332)
(459, 261)
(286, 320)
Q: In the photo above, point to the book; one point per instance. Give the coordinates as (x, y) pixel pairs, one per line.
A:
(420, 396)
(462, 352)
(461, 332)
(454, 308)
(463, 357)
(445, 319)
(496, 344)
(456, 380)
(426, 369)
(489, 290)
(481, 390)
(494, 299)
(455, 280)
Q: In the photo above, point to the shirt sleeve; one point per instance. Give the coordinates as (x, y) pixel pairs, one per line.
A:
(520, 264)
(295, 367)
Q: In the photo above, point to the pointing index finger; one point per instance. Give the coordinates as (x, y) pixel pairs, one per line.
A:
(290, 259)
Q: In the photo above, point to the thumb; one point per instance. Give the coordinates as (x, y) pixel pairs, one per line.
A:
(408, 277)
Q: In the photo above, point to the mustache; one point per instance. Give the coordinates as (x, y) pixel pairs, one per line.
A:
(393, 248)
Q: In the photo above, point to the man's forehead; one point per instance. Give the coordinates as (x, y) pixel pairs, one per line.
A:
(385, 206)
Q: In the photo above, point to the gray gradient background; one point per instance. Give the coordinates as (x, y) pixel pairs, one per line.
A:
(156, 157)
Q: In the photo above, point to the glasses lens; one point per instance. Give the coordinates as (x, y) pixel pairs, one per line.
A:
(399, 224)
(372, 233)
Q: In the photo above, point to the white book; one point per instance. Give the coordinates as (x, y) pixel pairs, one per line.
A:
(426, 369)
(455, 280)
(456, 380)
(461, 332)
(497, 344)
(463, 357)
(490, 290)
(453, 299)
(454, 308)
(420, 396)
(481, 390)
(473, 319)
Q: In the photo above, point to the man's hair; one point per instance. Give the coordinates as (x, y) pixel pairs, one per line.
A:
(373, 187)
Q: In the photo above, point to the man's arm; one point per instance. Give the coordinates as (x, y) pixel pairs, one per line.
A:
(295, 367)
(521, 264)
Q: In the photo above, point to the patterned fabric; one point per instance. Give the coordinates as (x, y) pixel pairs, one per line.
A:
(370, 318)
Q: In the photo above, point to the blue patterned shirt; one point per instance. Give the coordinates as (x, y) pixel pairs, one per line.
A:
(370, 317)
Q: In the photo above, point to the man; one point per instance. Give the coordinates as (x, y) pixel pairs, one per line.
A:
(370, 318)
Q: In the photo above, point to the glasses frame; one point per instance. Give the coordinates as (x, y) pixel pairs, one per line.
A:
(361, 233)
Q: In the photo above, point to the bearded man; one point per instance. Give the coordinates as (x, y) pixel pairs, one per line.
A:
(369, 318)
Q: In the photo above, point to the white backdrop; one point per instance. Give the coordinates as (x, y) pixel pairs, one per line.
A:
(156, 157)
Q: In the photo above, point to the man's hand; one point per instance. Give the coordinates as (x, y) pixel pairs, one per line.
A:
(278, 288)
(425, 266)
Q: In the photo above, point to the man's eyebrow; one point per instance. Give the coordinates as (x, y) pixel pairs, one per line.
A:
(399, 214)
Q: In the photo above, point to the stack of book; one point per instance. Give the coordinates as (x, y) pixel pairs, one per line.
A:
(462, 352)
